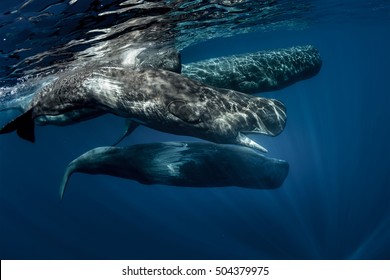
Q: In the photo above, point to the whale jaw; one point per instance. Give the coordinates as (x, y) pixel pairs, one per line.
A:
(244, 140)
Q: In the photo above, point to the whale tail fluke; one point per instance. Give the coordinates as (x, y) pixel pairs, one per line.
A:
(24, 126)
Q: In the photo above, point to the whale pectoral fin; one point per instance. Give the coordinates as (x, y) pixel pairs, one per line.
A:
(185, 111)
(130, 127)
(24, 126)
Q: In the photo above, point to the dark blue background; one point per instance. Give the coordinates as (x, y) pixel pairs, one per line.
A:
(334, 203)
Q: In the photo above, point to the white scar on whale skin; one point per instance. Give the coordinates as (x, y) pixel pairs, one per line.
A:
(104, 87)
(166, 161)
(129, 57)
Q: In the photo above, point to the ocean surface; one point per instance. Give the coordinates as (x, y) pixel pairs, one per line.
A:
(335, 202)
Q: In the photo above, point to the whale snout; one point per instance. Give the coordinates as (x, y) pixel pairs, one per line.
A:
(231, 118)
(263, 116)
(270, 116)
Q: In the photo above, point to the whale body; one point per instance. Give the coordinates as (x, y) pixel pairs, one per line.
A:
(248, 73)
(187, 164)
(156, 98)
(257, 72)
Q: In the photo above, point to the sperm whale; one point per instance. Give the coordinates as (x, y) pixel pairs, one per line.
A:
(259, 71)
(188, 164)
(156, 98)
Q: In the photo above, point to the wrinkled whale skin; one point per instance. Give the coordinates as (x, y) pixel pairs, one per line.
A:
(160, 58)
(257, 72)
(187, 164)
(159, 99)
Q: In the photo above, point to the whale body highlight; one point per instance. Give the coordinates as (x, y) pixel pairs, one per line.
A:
(159, 99)
(257, 72)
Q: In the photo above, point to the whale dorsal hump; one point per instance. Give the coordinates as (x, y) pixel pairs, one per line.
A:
(24, 126)
(185, 111)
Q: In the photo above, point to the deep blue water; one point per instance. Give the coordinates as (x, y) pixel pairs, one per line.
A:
(334, 203)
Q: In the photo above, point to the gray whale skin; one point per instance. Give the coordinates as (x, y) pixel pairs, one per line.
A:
(257, 72)
(159, 99)
(187, 164)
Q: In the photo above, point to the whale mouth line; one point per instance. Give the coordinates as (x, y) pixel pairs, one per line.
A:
(244, 140)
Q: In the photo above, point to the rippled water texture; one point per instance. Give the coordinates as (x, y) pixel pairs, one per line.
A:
(39, 36)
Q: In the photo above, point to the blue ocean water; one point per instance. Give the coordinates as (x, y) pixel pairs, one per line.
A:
(334, 203)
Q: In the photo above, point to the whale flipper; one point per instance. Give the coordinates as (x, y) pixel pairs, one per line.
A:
(130, 127)
(24, 126)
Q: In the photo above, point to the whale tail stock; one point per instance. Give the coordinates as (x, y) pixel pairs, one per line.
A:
(24, 126)
(70, 169)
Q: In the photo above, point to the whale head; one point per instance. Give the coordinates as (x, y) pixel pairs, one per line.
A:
(227, 116)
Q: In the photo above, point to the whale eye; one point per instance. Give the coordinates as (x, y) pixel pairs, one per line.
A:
(185, 111)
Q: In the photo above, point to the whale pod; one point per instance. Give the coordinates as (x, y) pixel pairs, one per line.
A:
(187, 164)
(257, 72)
